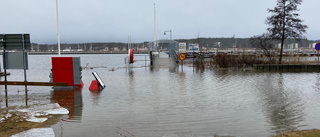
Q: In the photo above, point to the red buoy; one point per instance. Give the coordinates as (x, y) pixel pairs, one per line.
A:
(131, 56)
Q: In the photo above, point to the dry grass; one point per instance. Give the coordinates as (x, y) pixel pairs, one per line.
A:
(17, 123)
(302, 133)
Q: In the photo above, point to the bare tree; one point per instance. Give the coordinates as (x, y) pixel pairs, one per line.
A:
(284, 22)
(265, 43)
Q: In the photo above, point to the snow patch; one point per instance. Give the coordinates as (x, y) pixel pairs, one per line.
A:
(57, 111)
(5, 117)
(36, 132)
(2, 119)
(8, 115)
(43, 110)
(37, 120)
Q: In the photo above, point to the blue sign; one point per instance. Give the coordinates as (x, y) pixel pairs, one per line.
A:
(194, 47)
(317, 47)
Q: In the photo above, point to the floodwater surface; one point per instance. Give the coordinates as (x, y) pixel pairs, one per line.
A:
(168, 102)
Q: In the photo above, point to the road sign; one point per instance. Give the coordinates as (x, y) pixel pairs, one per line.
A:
(100, 82)
(14, 60)
(182, 56)
(15, 41)
(182, 47)
(317, 47)
(194, 47)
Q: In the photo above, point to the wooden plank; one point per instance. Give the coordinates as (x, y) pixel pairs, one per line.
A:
(32, 83)
(2, 73)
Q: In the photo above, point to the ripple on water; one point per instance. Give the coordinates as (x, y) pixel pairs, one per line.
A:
(169, 102)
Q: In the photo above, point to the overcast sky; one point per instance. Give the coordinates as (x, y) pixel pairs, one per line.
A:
(114, 20)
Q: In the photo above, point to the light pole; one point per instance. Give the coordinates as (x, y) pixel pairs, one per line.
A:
(58, 35)
(170, 33)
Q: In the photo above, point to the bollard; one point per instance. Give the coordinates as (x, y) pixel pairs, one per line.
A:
(67, 70)
(94, 85)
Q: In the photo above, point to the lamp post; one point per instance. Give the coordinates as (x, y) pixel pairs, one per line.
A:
(58, 35)
(170, 33)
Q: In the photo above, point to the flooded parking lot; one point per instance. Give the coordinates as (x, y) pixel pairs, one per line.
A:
(168, 102)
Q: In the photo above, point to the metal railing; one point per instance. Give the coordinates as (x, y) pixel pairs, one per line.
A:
(126, 60)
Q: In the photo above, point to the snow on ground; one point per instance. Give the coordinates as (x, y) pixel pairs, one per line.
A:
(36, 132)
(31, 114)
(43, 110)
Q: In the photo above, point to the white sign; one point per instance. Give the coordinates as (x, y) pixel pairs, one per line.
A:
(100, 82)
(182, 47)
(194, 47)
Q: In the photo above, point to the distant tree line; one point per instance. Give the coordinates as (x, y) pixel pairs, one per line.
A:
(208, 43)
(111, 46)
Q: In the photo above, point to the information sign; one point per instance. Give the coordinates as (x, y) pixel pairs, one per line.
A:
(14, 60)
(182, 47)
(15, 41)
(194, 47)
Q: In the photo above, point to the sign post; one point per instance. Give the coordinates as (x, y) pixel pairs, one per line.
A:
(193, 47)
(182, 57)
(15, 42)
(317, 47)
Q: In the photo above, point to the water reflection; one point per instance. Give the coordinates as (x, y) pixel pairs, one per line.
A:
(95, 94)
(316, 87)
(16, 96)
(161, 63)
(132, 85)
(283, 107)
(199, 70)
(71, 100)
(6, 97)
(174, 68)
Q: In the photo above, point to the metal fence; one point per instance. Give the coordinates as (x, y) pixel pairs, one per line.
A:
(169, 46)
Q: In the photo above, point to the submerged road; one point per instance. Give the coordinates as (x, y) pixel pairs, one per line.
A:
(164, 61)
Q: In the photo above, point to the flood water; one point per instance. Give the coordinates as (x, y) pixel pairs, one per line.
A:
(168, 102)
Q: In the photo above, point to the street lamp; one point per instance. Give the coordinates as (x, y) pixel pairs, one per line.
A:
(170, 33)
(58, 35)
